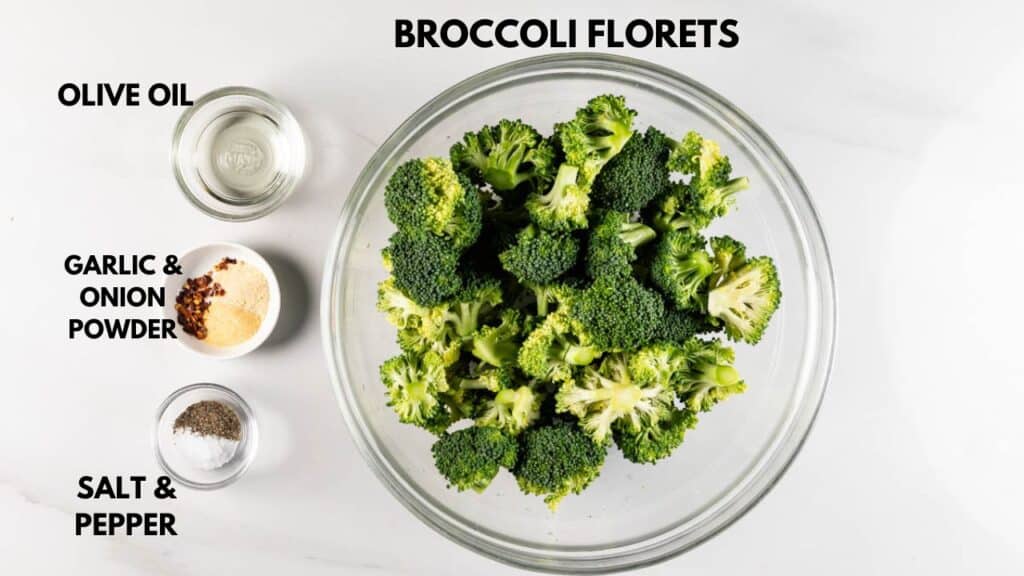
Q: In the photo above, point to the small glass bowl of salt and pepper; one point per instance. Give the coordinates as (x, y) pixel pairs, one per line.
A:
(238, 153)
(205, 436)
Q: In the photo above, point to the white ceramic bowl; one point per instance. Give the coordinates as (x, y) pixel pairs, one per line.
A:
(199, 261)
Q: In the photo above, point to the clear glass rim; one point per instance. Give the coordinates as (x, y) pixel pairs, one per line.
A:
(251, 430)
(733, 504)
(261, 206)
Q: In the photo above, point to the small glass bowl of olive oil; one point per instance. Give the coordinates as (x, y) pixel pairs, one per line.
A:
(238, 153)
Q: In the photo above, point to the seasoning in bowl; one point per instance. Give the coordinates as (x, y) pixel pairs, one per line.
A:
(207, 434)
(226, 306)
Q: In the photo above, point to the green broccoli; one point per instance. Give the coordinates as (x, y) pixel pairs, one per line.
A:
(465, 313)
(673, 211)
(598, 132)
(559, 294)
(634, 177)
(552, 349)
(402, 311)
(556, 460)
(511, 410)
(618, 313)
(564, 206)
(552, 354)
(498, 345)
(470, 458)
(608, 394)
(472, 386)
(613, 244)
(745, 299)
(729, 255)
(710, 192)
(426, 268)
(427, 197)
(506, 156)
(657, 364)
(656, 442)
(680, 325)
(708, 376)
(681, 268)
(413, 385)
(539, 256)
(425, 339)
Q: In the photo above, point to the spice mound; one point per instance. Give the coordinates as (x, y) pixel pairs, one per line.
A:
(225, 306)
(208, 433)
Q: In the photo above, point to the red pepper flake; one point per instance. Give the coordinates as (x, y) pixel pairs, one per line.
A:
(192, 303)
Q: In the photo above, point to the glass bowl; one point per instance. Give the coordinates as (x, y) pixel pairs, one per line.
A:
(176, 465)
(632, 515)
(238, 153)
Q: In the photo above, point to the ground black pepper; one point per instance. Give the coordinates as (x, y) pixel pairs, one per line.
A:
(210, 418)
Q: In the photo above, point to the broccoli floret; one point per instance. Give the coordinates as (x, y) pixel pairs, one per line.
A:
(465, 313)
(681, 268)
(673, 211)
(498, 345)
(708, 376)
(511, 409)
(746, 298)
(554, 347)
(426, 268)
(402, 311)
(427, 197)
(680, 325)
(490, 379)
(506, 156)
(657, 364)
(634, 177)
(559, 295)
(414, 384)
(564, 206)
(425, 339)
(470, 458)
(557, 460)
(613, 244)
(609, 394)
(656, 442)
(710, 192)
(598, 132)
(729, 255)
(539, 256)
(618, 313)
(468, 388)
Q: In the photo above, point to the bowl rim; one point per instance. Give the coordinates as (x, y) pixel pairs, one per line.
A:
(632, 555)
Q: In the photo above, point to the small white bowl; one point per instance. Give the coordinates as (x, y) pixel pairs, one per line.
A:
(199, 261)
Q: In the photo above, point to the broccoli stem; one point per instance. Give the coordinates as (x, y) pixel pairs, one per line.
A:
(566, 177)
(580, 355)
(636, 234)
(541, 293)
(720, 375)
(465, 320)
(495, 353)
(732, 187)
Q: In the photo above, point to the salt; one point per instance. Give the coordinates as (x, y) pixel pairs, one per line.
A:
(205, 452)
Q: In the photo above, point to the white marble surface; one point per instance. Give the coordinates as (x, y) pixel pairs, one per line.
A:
(902, 117)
